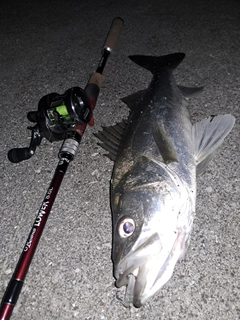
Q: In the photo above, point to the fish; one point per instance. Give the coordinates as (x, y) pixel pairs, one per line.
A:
(157, 154)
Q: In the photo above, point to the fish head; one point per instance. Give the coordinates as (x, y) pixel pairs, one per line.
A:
(149, 232)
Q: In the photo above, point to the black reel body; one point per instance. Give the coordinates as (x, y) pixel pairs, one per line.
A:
(57, 115)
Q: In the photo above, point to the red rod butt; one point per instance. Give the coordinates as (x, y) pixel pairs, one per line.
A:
(6, 311)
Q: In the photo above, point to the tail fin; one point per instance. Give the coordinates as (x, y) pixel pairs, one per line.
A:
(154, 64)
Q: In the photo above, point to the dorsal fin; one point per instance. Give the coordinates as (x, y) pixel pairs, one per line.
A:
(132, 99)
(111, 138)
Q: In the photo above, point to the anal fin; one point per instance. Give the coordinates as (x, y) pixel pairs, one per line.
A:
(190, 91)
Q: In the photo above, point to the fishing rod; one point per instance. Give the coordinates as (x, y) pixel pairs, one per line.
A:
(59, 117)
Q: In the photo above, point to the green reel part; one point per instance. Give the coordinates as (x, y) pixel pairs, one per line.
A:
(62, 110)
(58, 113)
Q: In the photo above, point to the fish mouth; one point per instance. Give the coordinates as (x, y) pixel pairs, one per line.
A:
(143, 275)
(136, 271)
(136, 283)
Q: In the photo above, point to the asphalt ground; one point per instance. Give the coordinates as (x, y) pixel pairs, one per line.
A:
(50, 46)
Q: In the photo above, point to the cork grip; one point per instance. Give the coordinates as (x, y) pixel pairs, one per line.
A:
(97, 79)
(113, 34)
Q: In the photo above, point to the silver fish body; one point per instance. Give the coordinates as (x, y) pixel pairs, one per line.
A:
(153, 186)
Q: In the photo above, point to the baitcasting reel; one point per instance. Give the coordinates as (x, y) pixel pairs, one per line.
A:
(57, 115)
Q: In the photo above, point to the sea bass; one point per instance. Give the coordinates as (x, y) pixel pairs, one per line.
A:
(157, 155)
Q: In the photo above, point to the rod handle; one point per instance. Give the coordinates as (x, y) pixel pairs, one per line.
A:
(113, 35)
(19, 154)
(96, 78)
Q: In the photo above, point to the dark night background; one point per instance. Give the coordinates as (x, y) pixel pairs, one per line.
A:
(50, 46)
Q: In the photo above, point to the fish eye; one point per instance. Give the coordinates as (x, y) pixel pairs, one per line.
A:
(126, 227)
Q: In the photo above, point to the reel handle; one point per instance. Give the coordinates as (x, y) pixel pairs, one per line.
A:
(16, 155)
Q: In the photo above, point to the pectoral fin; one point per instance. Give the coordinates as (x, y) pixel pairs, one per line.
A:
(164, 144)
(208, 135)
